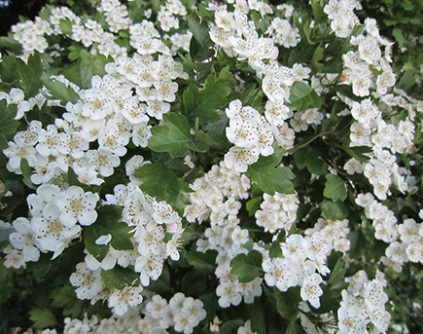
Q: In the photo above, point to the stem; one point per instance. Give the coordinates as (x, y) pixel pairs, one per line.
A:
(309, 141)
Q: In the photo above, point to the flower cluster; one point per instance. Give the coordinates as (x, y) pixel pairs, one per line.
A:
(54, 214)
(277, 212)
(250, 133)
(181, 312)
(192, 162)
(362, 305)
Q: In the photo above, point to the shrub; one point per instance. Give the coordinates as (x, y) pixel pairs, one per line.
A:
(187, 167)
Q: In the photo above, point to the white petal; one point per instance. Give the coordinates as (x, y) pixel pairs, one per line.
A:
(104, 239)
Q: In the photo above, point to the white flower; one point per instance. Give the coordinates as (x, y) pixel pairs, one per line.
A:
(351, 320)
(77, 205)
(87, 282)
(14, 258)
(140, 134)
(150, 267)
(353, 166)
(110, 138)
(87, 174)
(311, 291)
(157, 308)
(295, 248)
(51, 233)
(239, 158)
(242, 133)
(72, 144)
(365, 112)
(16, 153)
(150, 238)
(409, 230)
(98, 104)
(277, 112)
(48, 141)
(24, 239)
(121, 300)
(228, 294)
(172, 247)
(104, 161)
(163, 213)
(282, 273)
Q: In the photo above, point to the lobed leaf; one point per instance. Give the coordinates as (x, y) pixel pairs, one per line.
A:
(30, 74)
(160, 182)
(287, 302)
(203, 104)
(335, 188)
(60, 91)
(108, 222)
(247, 266)
(118, 277)
(203, 262)
(269, 178)
(174, 137)
(8, 124)
(42, 318)
(303, 97)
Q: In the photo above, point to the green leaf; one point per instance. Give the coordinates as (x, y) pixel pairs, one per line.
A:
(65, 298)
(59, 91)
(202, 104)
(42, 267)
(253, 205)
(359, 152)
(85, 68)
(8, 71)
(11, 44)
(194, 282)
(174, 137)
(303, 97)
(62, 296)
(270, 178)
(229, 327)
(6, 282)
(215, 134)
(26, 173)
(30, 74)
(8, 124)
(42, 318)
(252, 96)
(258, 313)
(66, 26)
(338, 273)
(247, 266)
(201, 44)
(203, 262)
(295, 328)
(318, 12)
(160, 182)
(358, 244)
(332, 290)
(287, 302)
(399, 37)
(4, 233)
(119, 278)
(335, 188)
(162, 284)
(275, 248)
(108, 222)
(311, 159)
(317, 57)
(334, 210)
